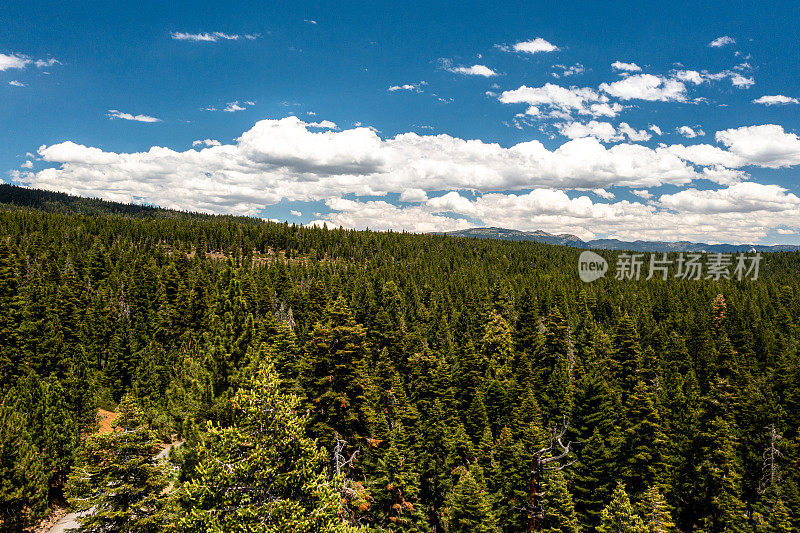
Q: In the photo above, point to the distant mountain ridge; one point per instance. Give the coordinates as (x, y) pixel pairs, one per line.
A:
(566, 239)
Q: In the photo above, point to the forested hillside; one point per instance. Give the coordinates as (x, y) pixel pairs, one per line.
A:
(333, 380)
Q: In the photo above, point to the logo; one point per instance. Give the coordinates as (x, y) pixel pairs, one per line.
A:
(591, 266)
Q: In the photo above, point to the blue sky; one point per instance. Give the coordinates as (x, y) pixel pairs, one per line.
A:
(629, 120)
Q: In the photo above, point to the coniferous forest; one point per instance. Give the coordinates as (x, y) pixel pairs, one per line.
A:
(327, 380)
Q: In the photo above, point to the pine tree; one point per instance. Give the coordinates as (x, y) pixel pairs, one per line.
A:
(559, 509)
(117, 481)
(394, 487)
(261, 474)
(469, 505)
(644, 443)
(23, 479)
(656, 513)
(512, 480)
(619, 516)
(336, 381)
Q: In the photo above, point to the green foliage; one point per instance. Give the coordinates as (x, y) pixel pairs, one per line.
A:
(619, 515)
(261, 474)
(469, 505)
(418, 351)
(117, 481)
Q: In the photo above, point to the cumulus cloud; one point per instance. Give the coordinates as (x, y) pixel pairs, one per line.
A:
(655, 129)
(719, 42)
(295, 213)
(690, 133)
(741, 82)
(776, 99)
(626, 67)
(413, 195)
(767, 145)
(603, 131)
(288, 159)
(113, 113)
(206, 142)
(690, 76)
(16, 83)
(602, 193)
(642, 193)
(521, 186)
(212, 37)
(566, 100)
(534, 46)
(741, 213)
(646, 87)
(739, 198)
(474, 70)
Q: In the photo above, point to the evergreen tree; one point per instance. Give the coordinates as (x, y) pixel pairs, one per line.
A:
(469, 505)
(262, 473)
(117, 480)
(656, 513)
(23, 479)
(336, 380)
(619, 515)
(559, 509)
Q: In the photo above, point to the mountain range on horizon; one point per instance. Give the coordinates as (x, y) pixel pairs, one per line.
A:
(567, 239)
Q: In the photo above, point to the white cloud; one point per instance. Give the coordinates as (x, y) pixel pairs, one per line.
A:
(767, 145)
(605, 109)
(602, 193)
(323, 124)
(288, 159)
(691, 76)
(207, 142)
(646, 87)
(212, 37)
(626, 67)
(474, 70)
(655, 129)
(567, 100)
(13, 61)
(232, 107)
(310, 21)
(642, 193)
(603, 131)
(44, 63)
(741, 82)
(417, 87)
(534, 46)
(27, 164)
(16, 83)
(295, 213)
(776, 99)
(113, 113)
(633, 134)
(719, 42)
(741, 198)
(735, 214)
(782, 231)
(413, 195)
(566, 71)
(690, 133)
